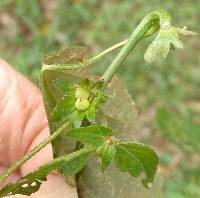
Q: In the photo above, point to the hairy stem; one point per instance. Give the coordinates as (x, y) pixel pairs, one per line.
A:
(30, 154)
(141, 30)
(69, 157)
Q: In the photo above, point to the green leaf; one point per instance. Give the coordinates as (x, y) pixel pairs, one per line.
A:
(77, 118)
(99, 98)
(91, 135)
(167, 36)
(64, 108)
(62, 85)
(102, 98)
(137, 158)
(68, 60)
(67, 106)
(98, 84)
(85, 83)
(121, 116)
(75, 165)
(107, 152)
(161, 45)
(90, 113)
(173, 37)
(32, 182)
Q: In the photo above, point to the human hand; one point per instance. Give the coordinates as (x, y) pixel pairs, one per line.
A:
(23, 125)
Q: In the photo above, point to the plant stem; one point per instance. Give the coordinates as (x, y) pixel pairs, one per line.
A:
(149, 21)
(30, 154)
(110, 49)
(69, 157)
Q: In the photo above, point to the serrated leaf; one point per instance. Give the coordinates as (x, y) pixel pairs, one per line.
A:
(120, 112)
(62, 85)
(136, 159)
(107, 155)
(32, 182)
(91, 135)
(64, 108)
(121, 115)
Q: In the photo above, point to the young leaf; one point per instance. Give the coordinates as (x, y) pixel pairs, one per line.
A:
(64, 108)
(90, 114)
(77, 118)
(107, 152)
(31, 182)
(91, 135)
(167, 36)
(161, 45)
(135, 159)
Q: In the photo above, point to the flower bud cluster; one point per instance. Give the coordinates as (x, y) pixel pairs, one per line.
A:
(82, 99)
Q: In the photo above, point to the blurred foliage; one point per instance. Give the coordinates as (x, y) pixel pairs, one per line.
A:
(181, 130)
(29, 30)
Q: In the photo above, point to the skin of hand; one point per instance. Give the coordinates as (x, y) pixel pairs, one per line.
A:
(23, 125)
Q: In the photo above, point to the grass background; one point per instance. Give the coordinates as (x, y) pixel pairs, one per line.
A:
(166, 93)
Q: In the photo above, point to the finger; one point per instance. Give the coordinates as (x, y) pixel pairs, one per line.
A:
(25, 126)
(22, 116)
(23, 119)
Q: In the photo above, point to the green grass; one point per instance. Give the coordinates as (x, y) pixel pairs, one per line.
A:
(31, 30)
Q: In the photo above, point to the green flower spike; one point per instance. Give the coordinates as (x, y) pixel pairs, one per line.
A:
(167, 38)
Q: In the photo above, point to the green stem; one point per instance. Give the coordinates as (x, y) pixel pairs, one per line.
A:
(41, 173)
(146, 24)
(26, 157)
(81, 65)
(110, 49)
(71, 156)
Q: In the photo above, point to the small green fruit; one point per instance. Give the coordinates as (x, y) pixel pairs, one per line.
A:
(82, 104)
(82, 93)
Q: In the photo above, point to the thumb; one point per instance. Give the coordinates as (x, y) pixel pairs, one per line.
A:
(24, 125)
